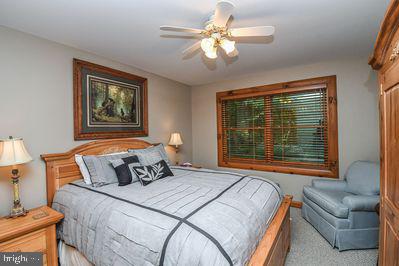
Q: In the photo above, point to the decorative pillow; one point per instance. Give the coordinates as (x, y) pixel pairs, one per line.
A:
(124, 169)
(83, 169)
(150, 158)
(149, 173)
(149, 152)
(101, 170)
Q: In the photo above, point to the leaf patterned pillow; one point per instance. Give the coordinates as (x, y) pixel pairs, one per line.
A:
(149, 173)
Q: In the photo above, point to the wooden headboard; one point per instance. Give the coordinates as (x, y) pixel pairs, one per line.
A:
(61, 168)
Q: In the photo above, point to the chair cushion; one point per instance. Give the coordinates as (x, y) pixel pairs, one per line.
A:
(363, 178)
(328, 200)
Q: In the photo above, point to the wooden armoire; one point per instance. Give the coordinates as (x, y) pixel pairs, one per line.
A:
(385, 60)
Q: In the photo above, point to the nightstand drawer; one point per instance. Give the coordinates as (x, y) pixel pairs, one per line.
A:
(32, 242)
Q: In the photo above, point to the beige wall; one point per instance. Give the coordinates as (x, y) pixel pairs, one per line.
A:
(357, 115)
(36, 104)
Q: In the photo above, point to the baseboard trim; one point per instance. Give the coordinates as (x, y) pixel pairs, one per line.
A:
(296, 204)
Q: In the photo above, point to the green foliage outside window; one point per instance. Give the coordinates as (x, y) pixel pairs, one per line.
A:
(297, 127)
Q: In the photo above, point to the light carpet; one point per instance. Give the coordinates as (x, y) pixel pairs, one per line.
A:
(309, 248)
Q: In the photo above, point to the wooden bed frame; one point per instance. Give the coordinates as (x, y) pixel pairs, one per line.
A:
(61, 169)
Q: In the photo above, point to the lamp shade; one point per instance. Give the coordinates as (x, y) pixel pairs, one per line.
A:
(175, 139)
(13, 152)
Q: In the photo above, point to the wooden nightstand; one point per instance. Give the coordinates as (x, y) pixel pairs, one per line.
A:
(34, 232)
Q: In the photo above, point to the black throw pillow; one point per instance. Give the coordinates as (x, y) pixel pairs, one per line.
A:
(150, 173)
(124, 169)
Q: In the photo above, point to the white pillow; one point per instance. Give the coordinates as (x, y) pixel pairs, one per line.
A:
(83, 168)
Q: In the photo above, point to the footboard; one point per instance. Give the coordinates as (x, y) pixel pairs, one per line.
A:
(275, 244)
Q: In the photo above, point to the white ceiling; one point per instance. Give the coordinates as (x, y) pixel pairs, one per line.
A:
(128, 31)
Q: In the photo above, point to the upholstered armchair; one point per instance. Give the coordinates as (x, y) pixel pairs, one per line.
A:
(343, 211)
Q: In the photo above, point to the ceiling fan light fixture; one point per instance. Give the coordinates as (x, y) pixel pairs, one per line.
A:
(227, 45)
(233, 53)
(217, 32)
(208, 44)
(212, 53)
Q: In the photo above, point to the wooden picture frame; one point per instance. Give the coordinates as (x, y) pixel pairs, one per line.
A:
(108, 103)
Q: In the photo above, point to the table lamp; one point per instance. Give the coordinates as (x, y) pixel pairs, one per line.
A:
(13, 153)
(175, 140)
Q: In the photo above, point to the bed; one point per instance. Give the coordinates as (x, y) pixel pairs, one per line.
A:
(197, 216)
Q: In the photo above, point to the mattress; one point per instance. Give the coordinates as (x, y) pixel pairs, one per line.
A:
(196, 217)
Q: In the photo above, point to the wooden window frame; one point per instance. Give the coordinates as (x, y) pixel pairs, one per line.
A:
(330, 171)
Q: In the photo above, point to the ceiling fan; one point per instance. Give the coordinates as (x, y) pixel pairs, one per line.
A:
(217, 33)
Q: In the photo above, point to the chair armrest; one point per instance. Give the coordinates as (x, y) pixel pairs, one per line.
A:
(361, 202)
(329, 184)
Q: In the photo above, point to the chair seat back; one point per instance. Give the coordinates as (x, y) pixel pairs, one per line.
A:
(363, 178)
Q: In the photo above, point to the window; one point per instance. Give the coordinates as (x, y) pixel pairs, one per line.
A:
(288, 127)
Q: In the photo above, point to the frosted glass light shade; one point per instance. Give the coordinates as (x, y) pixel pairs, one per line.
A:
(207, 44)
(233, 53)
(212, 53)
(13, 152)
(175, 139)
(227, 45)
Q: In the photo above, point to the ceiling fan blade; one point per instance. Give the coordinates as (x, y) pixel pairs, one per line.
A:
(192, 48)
(253, 31)
(223, 11)
(181, 29)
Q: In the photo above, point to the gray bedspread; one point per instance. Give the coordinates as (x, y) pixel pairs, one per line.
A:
(197, 217)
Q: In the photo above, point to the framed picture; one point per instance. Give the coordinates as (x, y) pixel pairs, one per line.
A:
(108, 103)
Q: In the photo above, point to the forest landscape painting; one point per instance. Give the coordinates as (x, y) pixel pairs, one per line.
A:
(112, 103)
(108, 103)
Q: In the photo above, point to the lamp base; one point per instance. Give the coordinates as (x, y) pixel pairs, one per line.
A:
(176, 152)
(19, 211)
